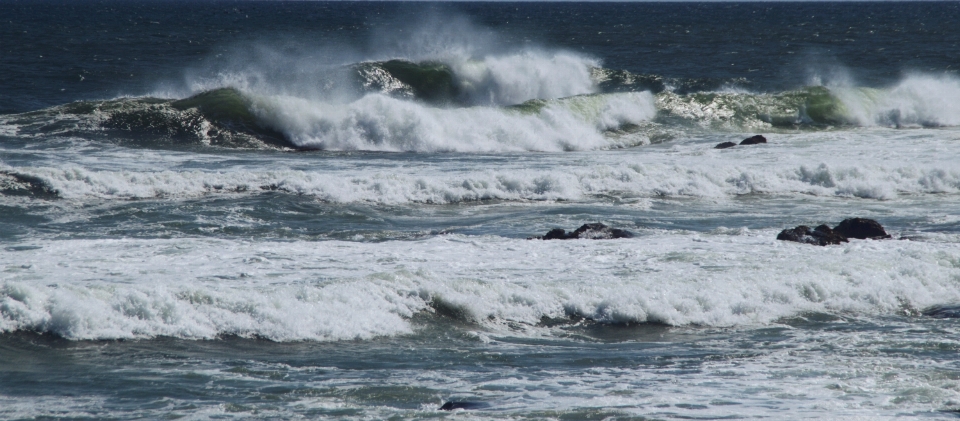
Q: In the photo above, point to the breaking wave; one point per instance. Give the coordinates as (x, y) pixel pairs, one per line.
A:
(109, 289)
(711, 176)
(527, 101)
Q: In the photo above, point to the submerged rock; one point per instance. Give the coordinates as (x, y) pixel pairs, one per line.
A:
(725, 145)
(861, 228)
(754, 140)
(450, 406)
(821, 235)
(595, 231)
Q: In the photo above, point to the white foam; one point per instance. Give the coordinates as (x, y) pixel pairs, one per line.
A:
(917, 100)
(89, 289)
(880, 164)
(8, 129)
(380, 123)
(514, 78)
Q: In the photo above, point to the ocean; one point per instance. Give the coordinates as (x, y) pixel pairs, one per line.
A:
(333, 210)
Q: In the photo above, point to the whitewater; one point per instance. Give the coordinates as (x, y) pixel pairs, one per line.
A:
(272, 210)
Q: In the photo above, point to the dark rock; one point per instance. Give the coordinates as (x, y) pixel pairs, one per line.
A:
(943, 312)
(595, 231)
(725, 145)
(861, 228)
(598, 231)
(556, 234)
(754, 140)
(821, 235)
(450, 406)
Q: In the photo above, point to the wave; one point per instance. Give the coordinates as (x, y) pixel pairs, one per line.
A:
(492, 80)
(702, 172)
(228, 118)
(381, 123)
(220, 117)
(288, 291)
(917, 101)
(494, 105)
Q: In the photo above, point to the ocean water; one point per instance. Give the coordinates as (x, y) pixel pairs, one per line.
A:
(328, 210)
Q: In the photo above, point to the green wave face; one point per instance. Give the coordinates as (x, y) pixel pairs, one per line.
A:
(432, 82)
(822, 107)
(229, 110)
(220, 105)
(811, 107)
(221, 117)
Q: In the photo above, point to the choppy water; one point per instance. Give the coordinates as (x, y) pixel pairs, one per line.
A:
(312, 210)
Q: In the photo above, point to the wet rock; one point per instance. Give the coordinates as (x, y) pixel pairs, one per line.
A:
(861, 228)
(595, 231)
(556, 234)
(725, 145)
(753, 140)
(821, 235)
(598, 231)
(451, 405)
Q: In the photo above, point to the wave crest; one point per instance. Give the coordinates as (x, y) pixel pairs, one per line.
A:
(381, 123)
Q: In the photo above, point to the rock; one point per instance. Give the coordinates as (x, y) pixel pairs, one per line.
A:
(451, 405)
(861, 228)
(754, 140)
(556, 234)
(599, 231)
(821, 235)
(595, 231)
(725, 145)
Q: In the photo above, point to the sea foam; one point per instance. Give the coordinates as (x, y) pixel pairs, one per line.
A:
(917, 100)
(380, 123)
(336, 290)
(509, 79)
(878, 163)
